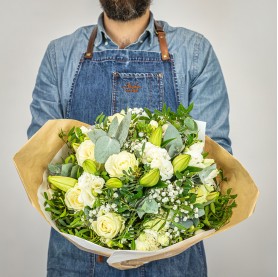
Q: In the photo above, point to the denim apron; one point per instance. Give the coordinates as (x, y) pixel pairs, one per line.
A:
(107, 82)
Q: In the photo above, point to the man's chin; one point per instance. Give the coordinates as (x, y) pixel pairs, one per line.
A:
(125, 10)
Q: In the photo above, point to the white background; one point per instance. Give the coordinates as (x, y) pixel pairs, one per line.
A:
(243, 34)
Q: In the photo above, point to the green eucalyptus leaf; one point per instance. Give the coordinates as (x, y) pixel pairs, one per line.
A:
(148, 207)
(123, 128)
(66, 169)
(95, 134)
(175, 144)
(73, 173)
(55, 169)
(113, 127)
(105, 147)
(190, 124)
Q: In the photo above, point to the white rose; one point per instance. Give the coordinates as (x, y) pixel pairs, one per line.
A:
(108, 225)
(120, 116)
(85, 151)
(91, 182)
(73, 199)
(117, 163)
(209, 179)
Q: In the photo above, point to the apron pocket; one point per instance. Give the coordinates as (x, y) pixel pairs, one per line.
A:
(132, 90)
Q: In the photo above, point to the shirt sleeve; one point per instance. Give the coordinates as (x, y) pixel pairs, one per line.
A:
(46, 102)
(209, 94)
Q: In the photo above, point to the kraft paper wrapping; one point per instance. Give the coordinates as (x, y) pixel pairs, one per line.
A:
(45, 146)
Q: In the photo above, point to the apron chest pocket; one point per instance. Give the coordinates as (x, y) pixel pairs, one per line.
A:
(132, 90)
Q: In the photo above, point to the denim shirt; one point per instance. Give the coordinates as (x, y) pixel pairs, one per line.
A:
(199, 76)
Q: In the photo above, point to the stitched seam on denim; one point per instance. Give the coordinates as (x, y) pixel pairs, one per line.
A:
(161, 91)
(123, 60)
(69, 104)
(53, 60)
(138, 75)
(196, 54)
(114, 108)
(175, 81)
(142, 271)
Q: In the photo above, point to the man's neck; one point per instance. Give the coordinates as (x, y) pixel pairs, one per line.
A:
(125, 33)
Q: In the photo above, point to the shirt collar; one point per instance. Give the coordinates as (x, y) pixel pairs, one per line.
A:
(102, 35)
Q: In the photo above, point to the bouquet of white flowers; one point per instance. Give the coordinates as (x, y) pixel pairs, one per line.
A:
(135, 181)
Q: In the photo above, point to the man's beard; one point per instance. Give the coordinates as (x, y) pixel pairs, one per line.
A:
(125, 10)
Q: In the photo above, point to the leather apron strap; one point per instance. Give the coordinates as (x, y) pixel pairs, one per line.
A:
(158, 30)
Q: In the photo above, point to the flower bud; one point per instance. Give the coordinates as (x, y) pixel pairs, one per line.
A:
(212, 196)
(89, 166)
(156, 136)
(151, 178)
(61, 182)
(114, 183)
(181, 162)
(75, 146)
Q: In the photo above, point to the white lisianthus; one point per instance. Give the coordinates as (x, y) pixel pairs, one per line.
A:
(154, 124)
(159, 158)
(73, 199)
(154, 152)
(147, 241)
(195, 151)
(85, 151)
(165, 168)
(120, 116)
(108, 225)
(117, 163)
(91, 182)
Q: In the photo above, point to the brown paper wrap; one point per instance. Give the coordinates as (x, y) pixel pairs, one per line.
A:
(33, 158)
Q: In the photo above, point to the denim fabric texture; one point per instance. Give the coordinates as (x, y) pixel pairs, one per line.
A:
(66, 260)
(199, 76)
(137, 79)
(115, 79)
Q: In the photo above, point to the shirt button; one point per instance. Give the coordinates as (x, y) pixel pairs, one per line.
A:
(106, 43)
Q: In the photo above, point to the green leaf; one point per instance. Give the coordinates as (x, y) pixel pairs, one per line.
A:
(176, 145)
(133, 245)
(123, 128)
(113, 127)
(54, 169)
(147, 206)
(66, 169)
(105, 147)
(191, 124)
(73, 173)
(95, 134)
